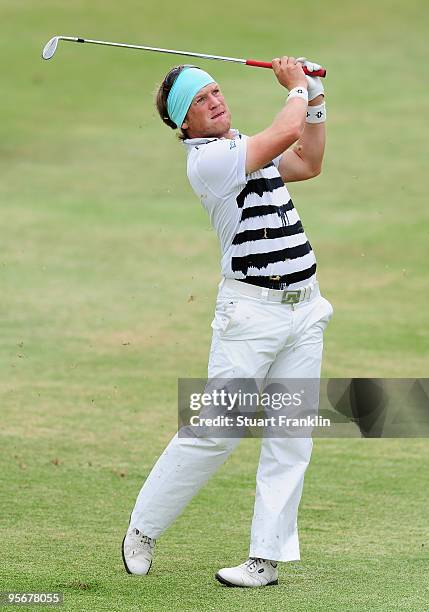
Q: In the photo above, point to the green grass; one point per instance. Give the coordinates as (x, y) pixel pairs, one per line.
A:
(103, 243)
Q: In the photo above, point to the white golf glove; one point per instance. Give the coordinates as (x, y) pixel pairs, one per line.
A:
(315, 85)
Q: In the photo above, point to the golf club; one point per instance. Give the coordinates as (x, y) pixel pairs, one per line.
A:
(51, 46)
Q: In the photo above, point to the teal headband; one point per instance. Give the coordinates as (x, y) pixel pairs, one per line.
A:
(185, 87)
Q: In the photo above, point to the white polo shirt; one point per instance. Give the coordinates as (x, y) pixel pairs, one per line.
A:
(260, 232)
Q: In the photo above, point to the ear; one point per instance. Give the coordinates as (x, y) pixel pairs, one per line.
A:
(185, 125)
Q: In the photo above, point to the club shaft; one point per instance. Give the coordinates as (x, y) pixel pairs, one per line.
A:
(156, 49)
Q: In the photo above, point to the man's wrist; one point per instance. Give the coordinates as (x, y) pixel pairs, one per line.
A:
(316, 114)
(298, 92)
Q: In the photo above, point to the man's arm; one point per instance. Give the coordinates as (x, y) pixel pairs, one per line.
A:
(289, 124)
(304, 160)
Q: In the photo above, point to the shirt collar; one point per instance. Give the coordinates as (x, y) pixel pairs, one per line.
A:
(192, 142)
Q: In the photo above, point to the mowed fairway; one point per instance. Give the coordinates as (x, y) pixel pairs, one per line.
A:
(108, 275)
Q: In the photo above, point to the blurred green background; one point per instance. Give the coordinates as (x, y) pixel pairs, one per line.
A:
(108, 275)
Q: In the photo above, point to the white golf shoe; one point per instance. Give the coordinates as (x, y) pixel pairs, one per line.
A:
(251, 573)
(137, 552)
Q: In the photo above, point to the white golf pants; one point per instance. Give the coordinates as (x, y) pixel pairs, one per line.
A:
(252, 338)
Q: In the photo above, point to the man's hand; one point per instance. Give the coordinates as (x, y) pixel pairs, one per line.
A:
(289, 72)
(315, 85)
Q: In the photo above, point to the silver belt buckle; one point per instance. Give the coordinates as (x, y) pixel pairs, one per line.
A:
(291, 297)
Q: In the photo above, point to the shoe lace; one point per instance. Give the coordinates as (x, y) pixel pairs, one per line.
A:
(144, 539)
(254, 562)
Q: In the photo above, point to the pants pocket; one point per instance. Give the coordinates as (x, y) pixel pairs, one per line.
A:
(326, 312)
(224, 314)
(233, 316)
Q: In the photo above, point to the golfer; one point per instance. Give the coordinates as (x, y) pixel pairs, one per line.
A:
(270, 316)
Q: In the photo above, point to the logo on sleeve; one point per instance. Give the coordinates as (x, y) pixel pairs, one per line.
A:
(232, 145)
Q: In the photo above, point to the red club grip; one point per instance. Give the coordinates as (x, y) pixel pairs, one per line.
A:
(316, 73)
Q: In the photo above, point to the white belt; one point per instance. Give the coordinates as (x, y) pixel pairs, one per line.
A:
(286, 296)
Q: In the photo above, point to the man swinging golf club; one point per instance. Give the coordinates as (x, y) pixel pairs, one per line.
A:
(270, 316)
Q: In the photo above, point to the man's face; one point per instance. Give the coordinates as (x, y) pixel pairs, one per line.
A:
(208, 116)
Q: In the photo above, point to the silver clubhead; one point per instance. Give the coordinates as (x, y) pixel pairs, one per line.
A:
(50, 48)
